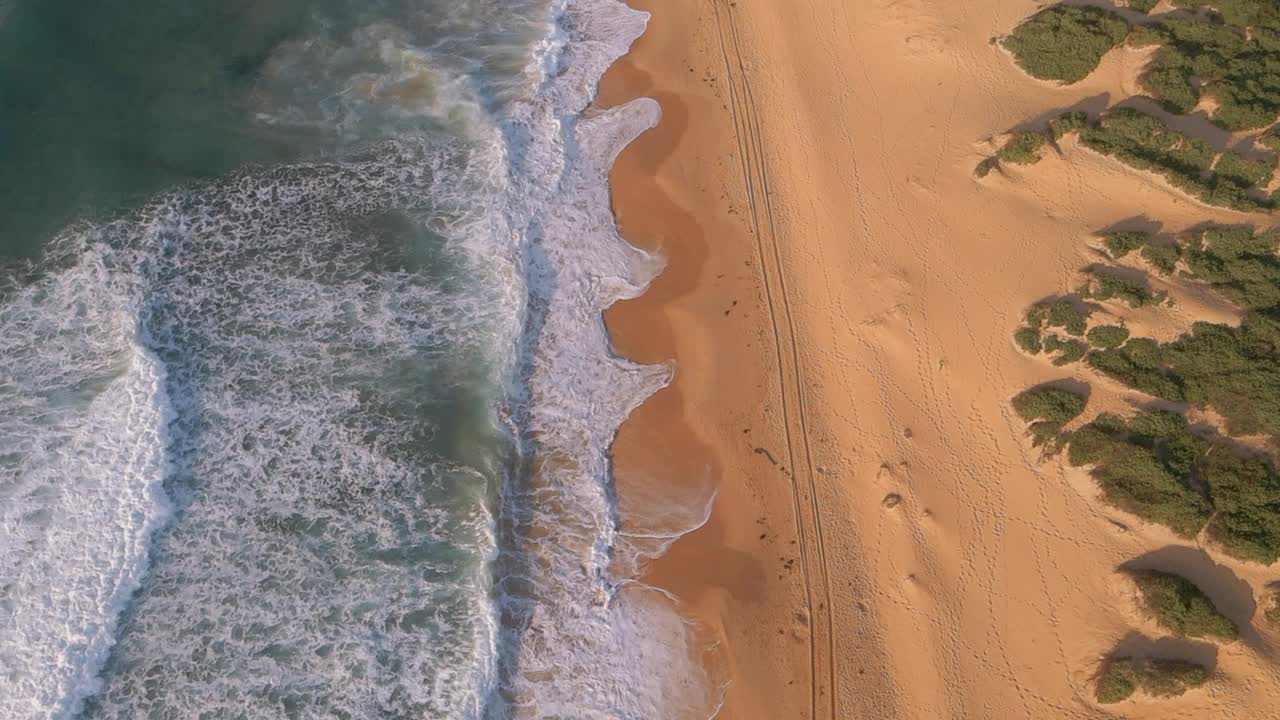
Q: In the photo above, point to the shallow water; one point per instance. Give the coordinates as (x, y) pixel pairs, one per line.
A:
(303, 382)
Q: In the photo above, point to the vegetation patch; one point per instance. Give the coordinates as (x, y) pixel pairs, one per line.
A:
(1119, 678)
(1022, 149)
(1142, 6)
(1154, 467)
(1182, 608)
(1242, 171)
(1246, 495)
(1120, 244)
(1237, 263)
(1146, 143)
(1067, 123)
(1146, 466)
(1232, 55)
(1048, 410)
(1139, 364)
(1105, 286)
(1068, 351)
(1063, 314)
(1164, 258)
(1065, 42)
(1108, 336)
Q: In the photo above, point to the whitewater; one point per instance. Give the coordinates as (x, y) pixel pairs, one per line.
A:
(328, 437)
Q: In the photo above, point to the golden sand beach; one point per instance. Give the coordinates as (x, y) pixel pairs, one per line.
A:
(839, 298)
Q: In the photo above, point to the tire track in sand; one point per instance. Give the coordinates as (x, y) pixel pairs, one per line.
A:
(808, 519)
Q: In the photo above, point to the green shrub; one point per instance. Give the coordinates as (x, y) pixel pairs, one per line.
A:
(1069, 351)
(1067, 123)
(1131, 292)
(1182, 608)
(1163, 258)
(1063, 314)
(1146, 467)
(1117, 680)
(1146, 143)
(1246, 496)
(1053, 404)
(1028, 339)
(1133, 365)
(1108, 336)
(985, 167)
(1236, 63)
(1171, 678)
(1270, 140)
(1243, 171)
(1142, 6)
(1120, 677)
(1234, 370)
(1242, 13)
(1065, 42)
(1120, 244)
(1037, 314)
(1237, 263)
(1022, 149)
(1153, 467)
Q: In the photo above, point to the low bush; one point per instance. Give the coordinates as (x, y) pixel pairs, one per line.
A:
(1048, 410)
(1022, 149)
(1238, 64)
(1146, 466)
(1028, 339)
(985, 167)
(1142, 6)
(1067, 123)
(1270, 140)
(1065, 42)
(1146, 143)
(1120, 244)
(1120, 677)
(1137, 364)
(1105, 286)
(1068, 350)
(1246, 496)
(1052, 404)
(1243, 171)
(1117, 680)
(1164, 258)
(1182, 608)
(1108, 336)
(1063, 314)
(1154, 467)
(1238, 263)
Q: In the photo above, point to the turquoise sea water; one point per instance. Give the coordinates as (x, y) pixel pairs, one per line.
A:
(304, 394)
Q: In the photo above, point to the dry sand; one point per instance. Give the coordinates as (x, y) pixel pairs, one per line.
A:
(840, 297)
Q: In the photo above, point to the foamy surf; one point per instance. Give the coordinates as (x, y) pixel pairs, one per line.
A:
(382, 397)
(81, 486)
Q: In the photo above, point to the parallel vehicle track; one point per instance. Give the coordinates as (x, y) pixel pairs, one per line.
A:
(800, 469)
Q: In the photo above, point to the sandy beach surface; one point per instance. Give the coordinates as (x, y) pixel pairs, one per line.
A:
(839, 299)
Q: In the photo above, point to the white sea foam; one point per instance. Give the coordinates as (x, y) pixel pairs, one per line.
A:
(332, 554)
(84, 417)
(589, 642)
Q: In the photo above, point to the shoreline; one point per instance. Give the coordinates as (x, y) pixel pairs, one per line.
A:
(742, 577)
(839, 299)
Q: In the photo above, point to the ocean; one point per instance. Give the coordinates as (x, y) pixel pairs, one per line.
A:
(305, 393)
